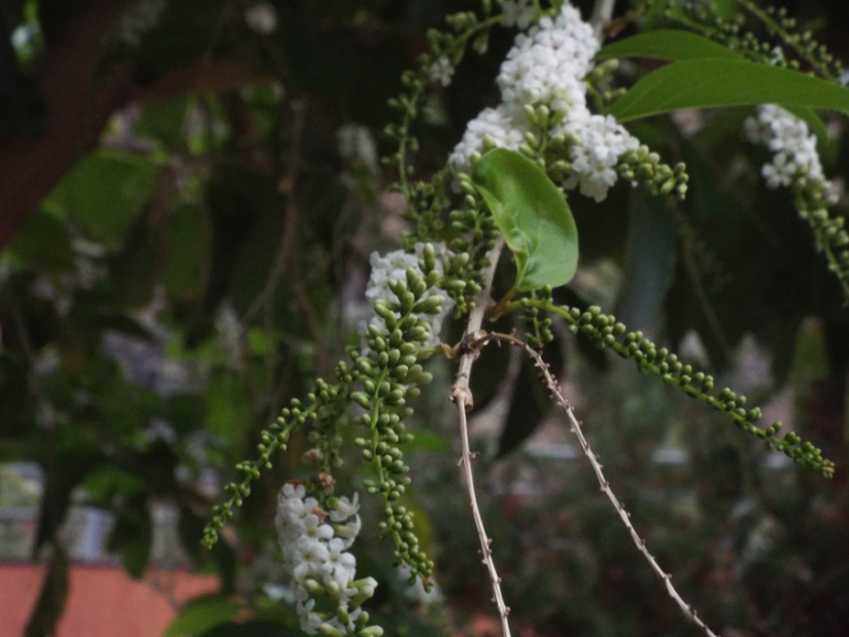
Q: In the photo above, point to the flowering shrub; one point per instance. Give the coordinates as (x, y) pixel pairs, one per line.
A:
(505, 185)
(232, 244)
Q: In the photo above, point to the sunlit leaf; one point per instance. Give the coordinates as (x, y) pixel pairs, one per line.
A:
(533, 217)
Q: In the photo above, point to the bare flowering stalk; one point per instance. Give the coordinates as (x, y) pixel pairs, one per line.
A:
(553, 388)
(461, 394)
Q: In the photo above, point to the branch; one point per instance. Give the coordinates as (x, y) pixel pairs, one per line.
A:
(554, 389)
(602, 12)
(461, 394)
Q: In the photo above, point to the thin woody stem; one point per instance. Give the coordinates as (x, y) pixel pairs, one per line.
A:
(553, 388)
(461, 394)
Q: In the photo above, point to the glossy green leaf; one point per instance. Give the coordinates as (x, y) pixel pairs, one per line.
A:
(666, 44)
(201, 614)
(721, 82)
(533, 216)
(675, 45)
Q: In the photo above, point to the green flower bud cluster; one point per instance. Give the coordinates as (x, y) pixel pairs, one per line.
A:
(389, 373)
(600, 84)
(608, 333)
(473, 234)
(426, 207)
(703, 17)
(644, 166)
(446, 50)
(538, 323)
(786, 28)
(833, 240)
(323, 437)
(353, 624)
(272, 439)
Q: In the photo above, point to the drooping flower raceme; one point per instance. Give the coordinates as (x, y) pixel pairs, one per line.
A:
(315, 545)
(547, 66)
(792, 144)
(393, 266)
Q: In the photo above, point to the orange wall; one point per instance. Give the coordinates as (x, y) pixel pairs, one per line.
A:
(102, 601)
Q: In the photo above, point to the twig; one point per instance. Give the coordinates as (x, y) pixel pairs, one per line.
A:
(602, 13)
(461, 394)
(554, 389)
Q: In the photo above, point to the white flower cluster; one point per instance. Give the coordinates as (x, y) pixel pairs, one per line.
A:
(315, 545)
(393, 266)
(793, 146)
(493, 126)
(600, 142)
(547, 65)
(357, 145)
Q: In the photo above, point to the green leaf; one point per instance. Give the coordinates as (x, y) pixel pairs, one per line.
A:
(533, 216)
(104, 193)
(666, 44)
(721, 82)
(675, 45)
(200, 615)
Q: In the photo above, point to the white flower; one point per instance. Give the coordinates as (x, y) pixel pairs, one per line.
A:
(356, 145)
(349, 531)
(441, 71)
(496, 127)
(316, 551)
(517, 13)
(344, 508)
(343, 566)
(599, 143)
(793, 146)
(262, 18)
(313, 528)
